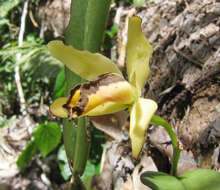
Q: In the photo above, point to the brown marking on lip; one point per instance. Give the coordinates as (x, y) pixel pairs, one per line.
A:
(86, 90)
(67, 106)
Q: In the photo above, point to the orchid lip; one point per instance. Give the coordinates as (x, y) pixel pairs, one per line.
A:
(109, 87)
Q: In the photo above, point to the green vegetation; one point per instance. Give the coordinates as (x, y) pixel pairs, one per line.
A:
(46, 138)
(192, 180)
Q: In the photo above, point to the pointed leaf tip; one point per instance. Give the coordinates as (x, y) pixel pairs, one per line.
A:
(201, 179)
(161, 181)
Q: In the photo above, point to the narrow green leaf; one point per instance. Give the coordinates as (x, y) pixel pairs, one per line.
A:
(69, 138)
(156, 120)
(85, 32)
(60, 84)
(6, 6)
(201, 179)
(82, 146)
(87, 24)
(90, 170)
(161, 181)
(47, 137)
(3, 21)
(96, 19)
(113, 31)
(63, 163)
(75, 31)
(26, 156)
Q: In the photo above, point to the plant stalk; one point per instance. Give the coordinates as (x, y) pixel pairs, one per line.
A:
(84, 32)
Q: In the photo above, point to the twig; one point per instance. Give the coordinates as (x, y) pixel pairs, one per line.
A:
(34, 22)
(22, 26)
(119, 10)
(17, 74)
(17, 68)
(116, 20)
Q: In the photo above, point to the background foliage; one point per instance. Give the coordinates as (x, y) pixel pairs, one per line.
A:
(43, 79)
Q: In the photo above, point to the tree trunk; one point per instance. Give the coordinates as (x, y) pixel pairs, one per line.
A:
(185, 73)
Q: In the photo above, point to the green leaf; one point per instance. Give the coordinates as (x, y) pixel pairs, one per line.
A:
(161, 181)
(69, 139)
(156, 120)
(60, 84)
(82, 146)
(87, 177)
(3, 21)
(201, 179)
(84, 32)
(90, 170)
(47, 136)
(26, 156)
(87, 24)
(113, 31)
(63, 163)
(6, 6)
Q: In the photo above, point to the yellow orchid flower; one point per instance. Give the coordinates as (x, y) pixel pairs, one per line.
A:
(107, 91)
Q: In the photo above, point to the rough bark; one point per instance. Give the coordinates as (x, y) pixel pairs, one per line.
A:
(185, 82)
(185, 65)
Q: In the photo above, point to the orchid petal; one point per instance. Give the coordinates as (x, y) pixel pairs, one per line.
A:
(56, 108)
(84, 63)
(140, 116)
(139, 51)
(108, 87)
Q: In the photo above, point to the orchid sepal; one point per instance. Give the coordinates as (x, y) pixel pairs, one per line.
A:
(138, 56)
(84, 63)
(57, 109)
